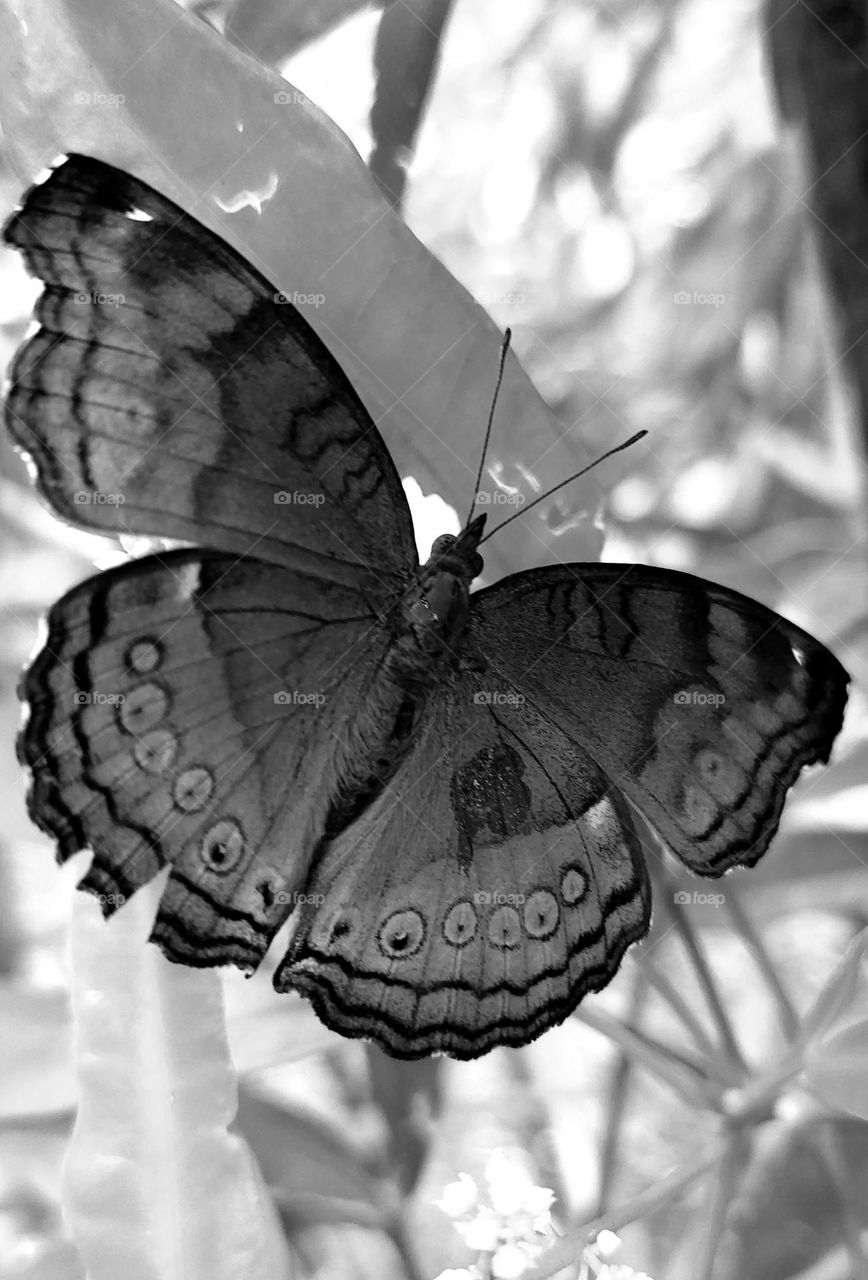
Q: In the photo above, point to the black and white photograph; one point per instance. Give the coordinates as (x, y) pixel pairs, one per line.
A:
(434, 640)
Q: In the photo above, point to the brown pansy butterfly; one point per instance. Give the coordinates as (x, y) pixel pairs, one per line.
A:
(435, 785)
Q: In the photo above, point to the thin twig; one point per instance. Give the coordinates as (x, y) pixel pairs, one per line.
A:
(686, 1077)
(721, 1194)
(619, 1088)
(402, 1236)
(753, 941)
(679, 1006)
(705, 978)
(568, 1250)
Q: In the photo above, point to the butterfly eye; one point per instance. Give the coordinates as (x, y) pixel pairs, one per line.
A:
(155, 751)
(144, 655)
(574, 886)
(192, 789)
(402, 934)
(222, 846)
(542, 914)
(143, 708)
(504, 928)
(459, 927)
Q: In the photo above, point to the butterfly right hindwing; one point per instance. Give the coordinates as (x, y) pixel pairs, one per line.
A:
(702, 705)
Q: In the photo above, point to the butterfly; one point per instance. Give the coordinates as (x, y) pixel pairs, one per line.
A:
(435, 786)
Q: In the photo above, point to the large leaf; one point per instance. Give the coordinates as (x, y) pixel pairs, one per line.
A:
(158, 93)
(155, 1185)
(314, 1171)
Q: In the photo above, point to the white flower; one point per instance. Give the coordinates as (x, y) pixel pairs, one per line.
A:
(511, 1191)
(510, 1262)
(459, 1197)
(606, 1243)
(481, 1234)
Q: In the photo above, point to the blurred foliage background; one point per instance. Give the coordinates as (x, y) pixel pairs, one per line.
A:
(629, 188)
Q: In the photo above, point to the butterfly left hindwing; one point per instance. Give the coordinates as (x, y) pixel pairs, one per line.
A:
(190, 709)
(494, 882)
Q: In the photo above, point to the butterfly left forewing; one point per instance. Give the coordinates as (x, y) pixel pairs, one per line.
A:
(189, 711)
(702, 705)
(495, 880)
(168, 393)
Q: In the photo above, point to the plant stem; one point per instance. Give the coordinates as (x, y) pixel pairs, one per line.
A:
(753, 941)
(686, 1077)
(618, 1090)
(567, 1251)
(720, 1198)
(710, 1051)
(706, 981)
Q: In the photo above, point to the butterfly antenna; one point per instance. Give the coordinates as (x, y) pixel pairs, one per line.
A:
(542, 498)
(504, 347)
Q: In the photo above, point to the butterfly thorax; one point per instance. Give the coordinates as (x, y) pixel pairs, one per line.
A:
(428, 626)
(433, 614)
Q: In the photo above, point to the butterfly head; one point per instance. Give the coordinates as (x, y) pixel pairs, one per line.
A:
(457, 555)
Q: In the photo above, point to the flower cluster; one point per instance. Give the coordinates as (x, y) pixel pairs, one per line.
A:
(508, 1226)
